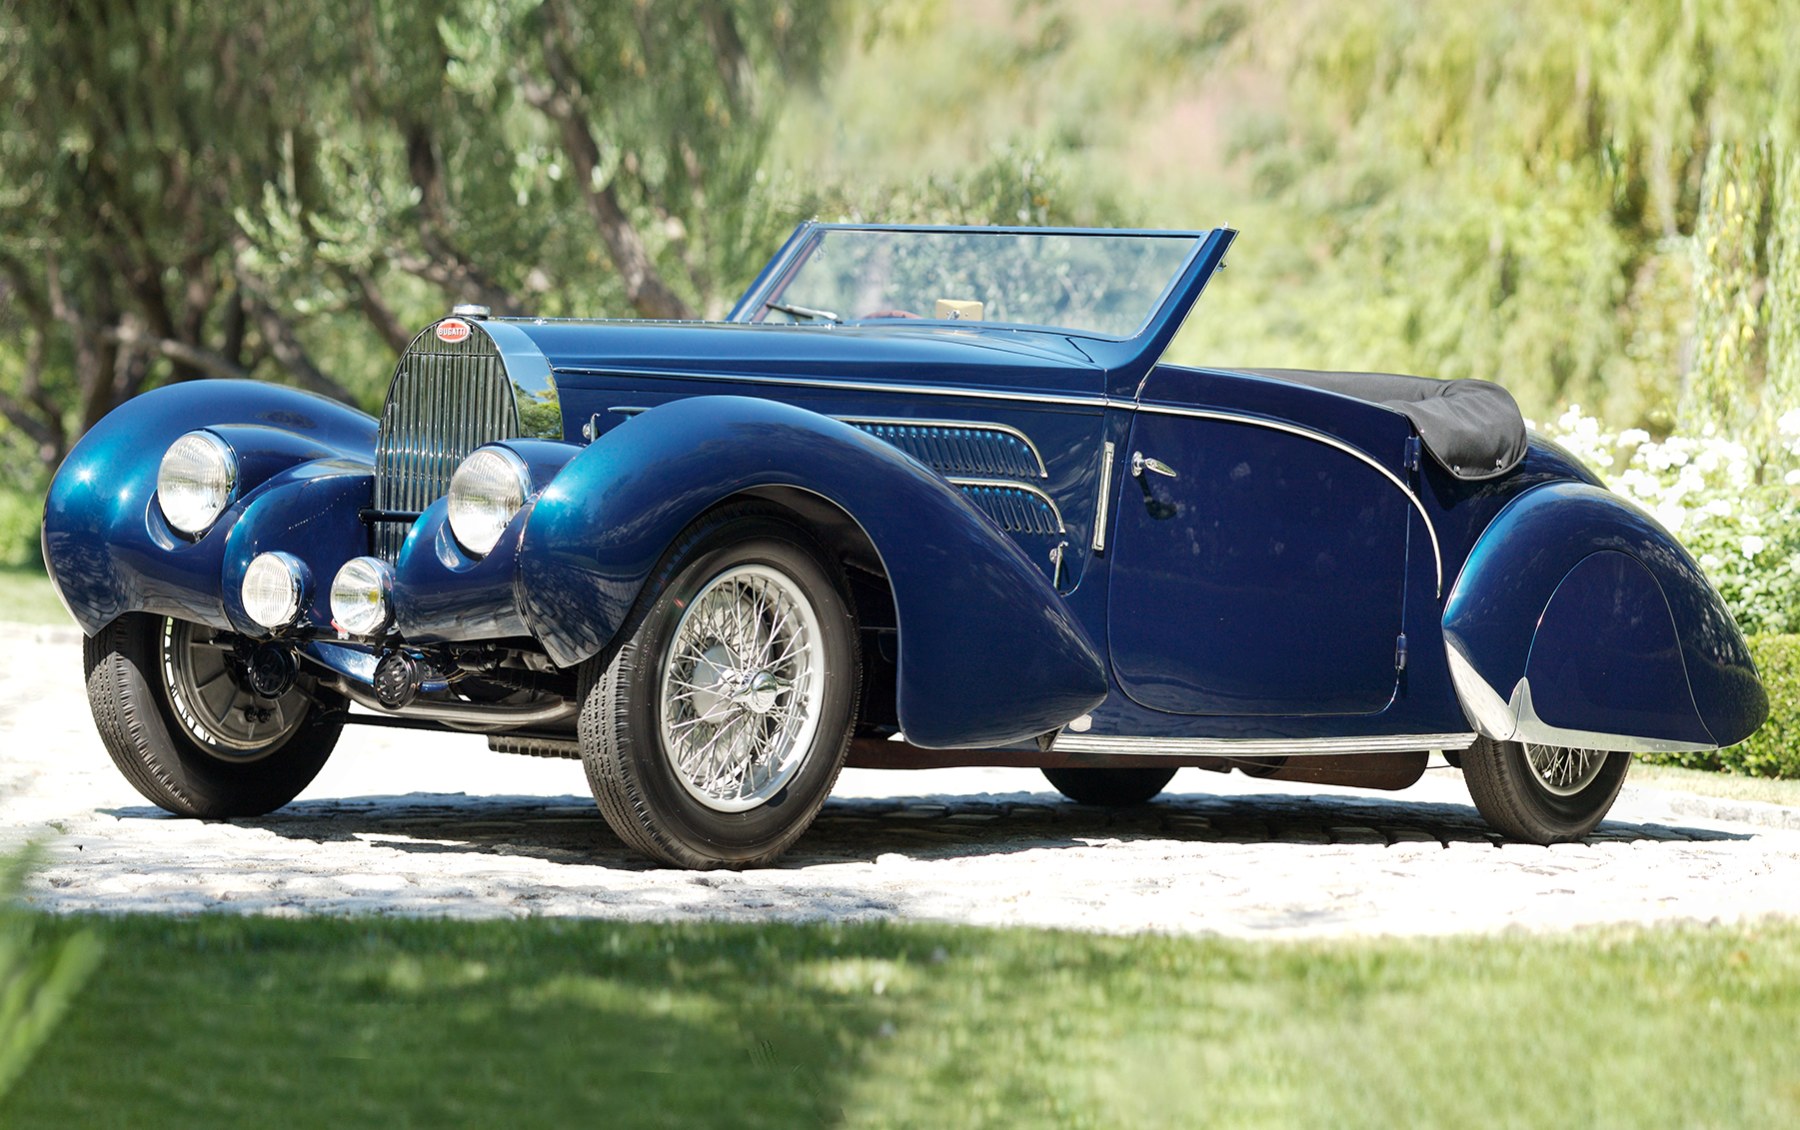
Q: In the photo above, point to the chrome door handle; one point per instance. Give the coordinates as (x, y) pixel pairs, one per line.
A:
(1141, 463)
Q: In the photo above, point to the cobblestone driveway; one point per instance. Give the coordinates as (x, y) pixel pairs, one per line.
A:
(427, 824)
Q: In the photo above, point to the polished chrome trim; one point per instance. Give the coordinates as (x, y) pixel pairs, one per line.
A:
(1484, 707)
(1105, 503)
(970, 425)
(464, 713)
(445, 400)
(533, 384)
(1023, 488)
(1140, 463)
(1517, 719)
(1257, 747)
(1437, 553)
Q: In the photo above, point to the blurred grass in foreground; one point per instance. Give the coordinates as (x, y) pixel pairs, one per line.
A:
(221, 1021)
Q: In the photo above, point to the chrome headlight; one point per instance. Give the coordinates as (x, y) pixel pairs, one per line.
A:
(486, 491)
(195, 481)
(274, 587)
(361, 594)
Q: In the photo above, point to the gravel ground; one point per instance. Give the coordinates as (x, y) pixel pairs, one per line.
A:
(415, 824)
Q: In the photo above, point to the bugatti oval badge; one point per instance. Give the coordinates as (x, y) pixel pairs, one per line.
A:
(453, 330)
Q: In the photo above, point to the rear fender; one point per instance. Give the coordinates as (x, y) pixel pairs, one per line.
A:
(1578, 620)
(988, 653)
(106, 546)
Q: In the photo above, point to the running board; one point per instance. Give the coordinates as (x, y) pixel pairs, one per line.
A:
(1258, 747)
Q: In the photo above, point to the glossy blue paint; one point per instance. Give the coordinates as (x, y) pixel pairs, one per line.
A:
(1267, 579)
(106, 546)
(1533, 545)
(310, 511)
(1258, 595)
(1605, 656)
(598, 530)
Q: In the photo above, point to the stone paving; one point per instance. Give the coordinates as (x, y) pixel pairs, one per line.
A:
(416, 824)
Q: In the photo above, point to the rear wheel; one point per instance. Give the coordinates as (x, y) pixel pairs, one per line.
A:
(174, 708)
(714, 735)
(1543, 794)
(1112, 787)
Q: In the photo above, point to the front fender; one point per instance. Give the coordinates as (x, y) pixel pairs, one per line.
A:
(1579, 620)
(988, 653)
(106, 546)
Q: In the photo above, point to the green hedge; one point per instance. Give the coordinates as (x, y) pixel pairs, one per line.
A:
(1774, 750)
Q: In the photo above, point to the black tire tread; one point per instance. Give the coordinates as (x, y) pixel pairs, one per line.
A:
(1113, 788)
(132, 715)
(1506, 794)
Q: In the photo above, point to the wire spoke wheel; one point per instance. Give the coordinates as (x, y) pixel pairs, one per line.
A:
(1564, 770)
(713, 735)
(741, 688)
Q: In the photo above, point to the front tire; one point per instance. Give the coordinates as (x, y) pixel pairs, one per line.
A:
(1542, 794)
(713, 736)
(170, 702)
(1113, 788)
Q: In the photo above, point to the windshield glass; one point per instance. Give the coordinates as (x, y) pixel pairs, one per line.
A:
(1105, 283)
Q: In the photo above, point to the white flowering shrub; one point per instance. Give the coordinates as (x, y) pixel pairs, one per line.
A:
(1739, 515)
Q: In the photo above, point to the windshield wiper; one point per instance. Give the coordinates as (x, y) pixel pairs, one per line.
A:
(804, 312)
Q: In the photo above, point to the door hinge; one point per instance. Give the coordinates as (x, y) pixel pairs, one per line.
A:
(1400, 652)
(1413, 448)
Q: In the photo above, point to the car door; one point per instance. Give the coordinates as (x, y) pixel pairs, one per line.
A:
(1258, 564)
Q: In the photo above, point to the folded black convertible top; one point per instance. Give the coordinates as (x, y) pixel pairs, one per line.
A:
(1473, 429)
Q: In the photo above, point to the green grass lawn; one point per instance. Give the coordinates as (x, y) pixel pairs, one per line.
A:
(249, 1022)
(1728, 786)
(27, 598)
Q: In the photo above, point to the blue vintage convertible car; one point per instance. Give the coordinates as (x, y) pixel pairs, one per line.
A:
(928, 496)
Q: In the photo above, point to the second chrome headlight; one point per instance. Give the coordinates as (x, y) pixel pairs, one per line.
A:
(486, 491)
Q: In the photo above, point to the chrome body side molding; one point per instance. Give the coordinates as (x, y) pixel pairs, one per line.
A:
(1258, 747)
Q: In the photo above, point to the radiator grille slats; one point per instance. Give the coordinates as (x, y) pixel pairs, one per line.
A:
(446, 400)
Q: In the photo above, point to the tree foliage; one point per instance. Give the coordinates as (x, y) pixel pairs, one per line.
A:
(1590, 201)
(283, 189)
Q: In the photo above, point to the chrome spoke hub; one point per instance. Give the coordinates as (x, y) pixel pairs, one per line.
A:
(741, 688)
(1564, 770)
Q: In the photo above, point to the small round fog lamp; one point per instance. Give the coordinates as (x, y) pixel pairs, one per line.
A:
(274, 588)
(361, 596)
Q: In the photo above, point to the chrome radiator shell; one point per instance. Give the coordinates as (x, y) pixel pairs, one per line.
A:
(446, 399)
